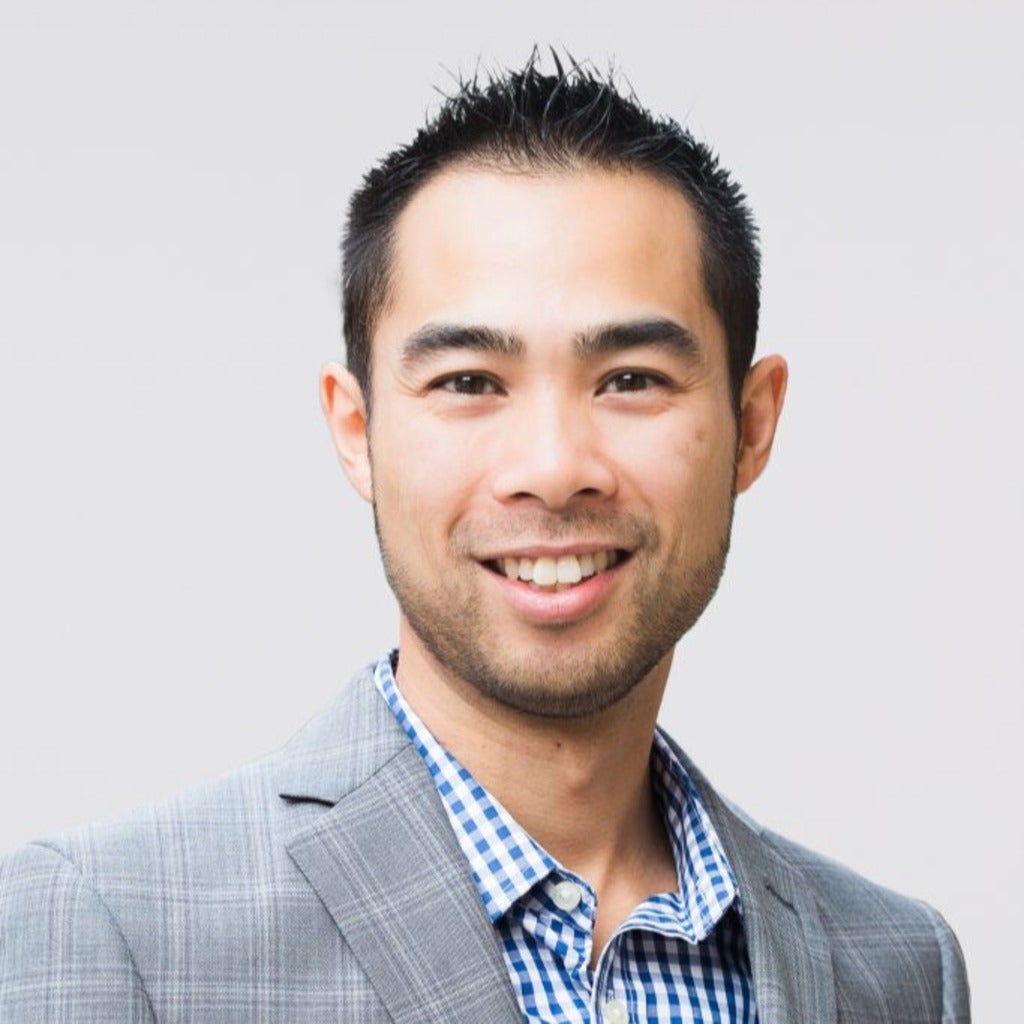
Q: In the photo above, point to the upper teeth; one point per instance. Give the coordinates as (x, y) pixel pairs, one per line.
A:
(566, 569)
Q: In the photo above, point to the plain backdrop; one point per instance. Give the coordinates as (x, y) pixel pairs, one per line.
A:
(185, 578)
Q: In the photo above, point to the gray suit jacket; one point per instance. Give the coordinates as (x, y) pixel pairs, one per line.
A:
(324, 884)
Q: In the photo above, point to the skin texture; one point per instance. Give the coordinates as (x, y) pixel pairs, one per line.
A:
(538, 446)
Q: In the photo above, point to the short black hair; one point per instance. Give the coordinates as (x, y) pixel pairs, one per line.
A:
(574, 118)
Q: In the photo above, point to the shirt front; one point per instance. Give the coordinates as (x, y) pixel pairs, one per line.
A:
(679, 958)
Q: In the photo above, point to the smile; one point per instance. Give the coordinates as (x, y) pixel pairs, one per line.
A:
(555, 574)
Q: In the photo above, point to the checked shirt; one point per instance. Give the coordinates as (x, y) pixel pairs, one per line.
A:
(679, 958)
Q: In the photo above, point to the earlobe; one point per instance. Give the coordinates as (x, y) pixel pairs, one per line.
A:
(344, 408)
(764, 391)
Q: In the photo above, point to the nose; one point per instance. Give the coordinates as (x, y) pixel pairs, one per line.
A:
(552, 451)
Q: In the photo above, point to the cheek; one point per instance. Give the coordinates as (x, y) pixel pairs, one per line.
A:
(421, 480)
(685, 474)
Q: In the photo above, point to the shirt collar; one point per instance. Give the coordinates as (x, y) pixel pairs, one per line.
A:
(506, 862)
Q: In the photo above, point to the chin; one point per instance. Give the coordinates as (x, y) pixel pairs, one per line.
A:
(564, 686)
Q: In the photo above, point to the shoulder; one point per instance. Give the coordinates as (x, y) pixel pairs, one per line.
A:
(206, 846)
(847, 902)
(881, 949)
(63, 955)
(844, 895)
(217, 829)
(881, 941)
(885, 948)
(193, 893)
(127, 878)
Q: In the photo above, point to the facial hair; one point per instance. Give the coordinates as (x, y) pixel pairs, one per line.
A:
(666, 599)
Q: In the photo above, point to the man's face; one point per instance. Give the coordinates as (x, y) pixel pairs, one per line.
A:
(550, 400)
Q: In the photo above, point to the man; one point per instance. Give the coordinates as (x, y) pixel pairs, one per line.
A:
(551, 304)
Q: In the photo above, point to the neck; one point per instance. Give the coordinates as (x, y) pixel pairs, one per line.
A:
(580, 787)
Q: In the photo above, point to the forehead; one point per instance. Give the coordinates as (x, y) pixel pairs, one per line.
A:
(545, 252)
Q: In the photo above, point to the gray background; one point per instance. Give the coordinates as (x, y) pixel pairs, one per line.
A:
(185, 577)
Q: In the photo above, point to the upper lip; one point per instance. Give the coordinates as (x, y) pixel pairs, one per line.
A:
(553, 550)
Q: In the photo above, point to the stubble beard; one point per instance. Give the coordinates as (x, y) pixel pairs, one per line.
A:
(447, 617)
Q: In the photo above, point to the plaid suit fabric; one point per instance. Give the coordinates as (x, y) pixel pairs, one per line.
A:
(324, 884)
(189, 912)
(680, 957)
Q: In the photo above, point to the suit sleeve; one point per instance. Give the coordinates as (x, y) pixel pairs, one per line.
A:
(63, 959)
(956, 1008)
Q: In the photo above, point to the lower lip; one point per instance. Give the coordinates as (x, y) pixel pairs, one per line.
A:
(555, 607)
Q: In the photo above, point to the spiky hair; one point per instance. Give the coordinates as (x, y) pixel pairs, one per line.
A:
(571, 119)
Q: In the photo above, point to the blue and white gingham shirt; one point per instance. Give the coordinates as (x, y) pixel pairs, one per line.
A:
(680, 957)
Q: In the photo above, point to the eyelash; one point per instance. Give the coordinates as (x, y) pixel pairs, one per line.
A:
(654, 380)
(479, 384)
(450, 384)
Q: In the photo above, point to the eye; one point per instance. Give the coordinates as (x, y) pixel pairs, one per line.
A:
(633, 380)
(468, 384)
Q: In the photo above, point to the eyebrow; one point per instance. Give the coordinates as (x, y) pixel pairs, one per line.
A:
(433, 339)
(659, 332)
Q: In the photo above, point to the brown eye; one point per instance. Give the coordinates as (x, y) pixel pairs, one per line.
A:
(632, 380)
(469, 384)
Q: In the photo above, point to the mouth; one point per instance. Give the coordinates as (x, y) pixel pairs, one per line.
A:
(554, 574)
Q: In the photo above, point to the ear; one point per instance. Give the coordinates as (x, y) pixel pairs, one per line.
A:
(764, 391)
(345, 411)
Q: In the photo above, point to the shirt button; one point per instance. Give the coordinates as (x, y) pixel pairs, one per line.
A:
(567, 895)
(615, 1012)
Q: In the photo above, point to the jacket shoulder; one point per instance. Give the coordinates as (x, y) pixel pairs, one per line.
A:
(192, 906)
(216, 831)
(881, 941)
(892, 957)
(63, 955)
(843, 892)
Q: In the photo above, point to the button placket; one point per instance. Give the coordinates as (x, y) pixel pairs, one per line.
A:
(567, 895)
(572, 905)
(614, 1011)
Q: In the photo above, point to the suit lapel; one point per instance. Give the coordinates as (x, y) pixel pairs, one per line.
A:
(387, 866)
(385, 863)
(790, 957)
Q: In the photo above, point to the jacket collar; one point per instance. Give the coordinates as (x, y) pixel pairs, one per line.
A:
(385, 863)
(387, 866)
(790, 958)
(337, 751)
